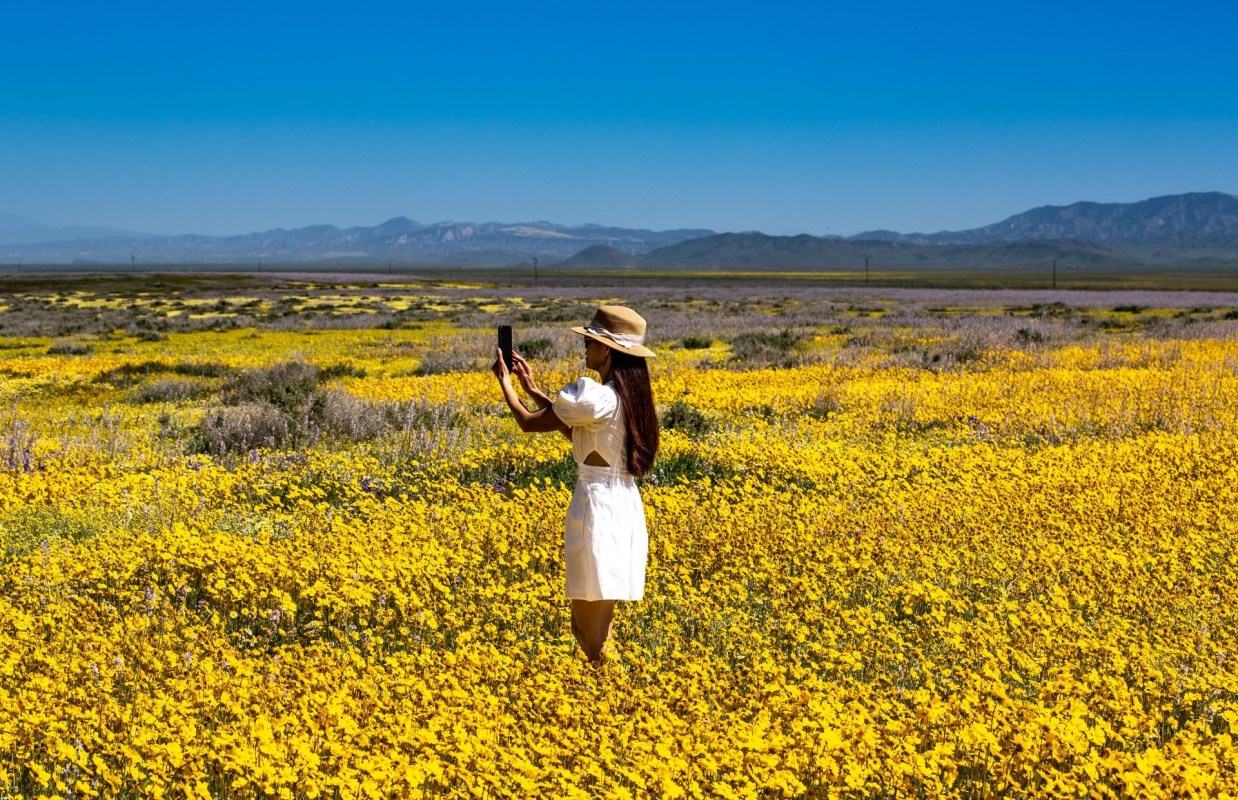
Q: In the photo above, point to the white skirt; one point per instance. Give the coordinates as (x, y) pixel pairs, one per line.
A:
(607, 543)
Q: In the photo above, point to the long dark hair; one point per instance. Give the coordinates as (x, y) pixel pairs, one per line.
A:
(631, 378)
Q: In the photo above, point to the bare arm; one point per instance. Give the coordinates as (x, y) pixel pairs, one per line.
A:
(524, 372)
(540, 421)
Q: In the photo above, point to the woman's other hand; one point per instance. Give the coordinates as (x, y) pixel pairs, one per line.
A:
(524, 373)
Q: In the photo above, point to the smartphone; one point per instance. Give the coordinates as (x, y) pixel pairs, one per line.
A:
(505, 344)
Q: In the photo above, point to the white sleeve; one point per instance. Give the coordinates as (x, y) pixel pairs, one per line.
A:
(584, 402)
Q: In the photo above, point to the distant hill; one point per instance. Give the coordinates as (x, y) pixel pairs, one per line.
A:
(601, 256)
(761, 251)
(492, 244)
(1070, 252)
(1207, 218)
(757, 251)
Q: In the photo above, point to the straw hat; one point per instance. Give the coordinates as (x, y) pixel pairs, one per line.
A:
(620, 329)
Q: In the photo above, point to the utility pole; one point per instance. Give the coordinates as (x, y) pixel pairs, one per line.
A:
(1055, 273)
(866, 270)
(535, 269)
(133, 263)
(388, 266)
(260, 265)
(19, 266)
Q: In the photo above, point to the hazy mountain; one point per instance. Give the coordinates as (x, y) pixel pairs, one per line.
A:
(760, 251)
(1199, 229)
(757, 251)
(400, 239)
(1209, 218)
(1070, 252)
(601, 256)
(20, 230)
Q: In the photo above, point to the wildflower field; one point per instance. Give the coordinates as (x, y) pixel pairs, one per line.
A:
(280, 539)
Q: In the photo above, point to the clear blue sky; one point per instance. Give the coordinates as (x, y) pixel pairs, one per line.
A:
(784, 117)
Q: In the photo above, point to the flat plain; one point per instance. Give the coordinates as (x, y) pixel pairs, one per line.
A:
(275, 536)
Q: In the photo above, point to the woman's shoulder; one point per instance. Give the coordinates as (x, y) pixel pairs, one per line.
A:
(584, 386)
(586, 399)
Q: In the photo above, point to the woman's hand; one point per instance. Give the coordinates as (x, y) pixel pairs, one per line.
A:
(500, 368)
(540, 420)
(524, 373)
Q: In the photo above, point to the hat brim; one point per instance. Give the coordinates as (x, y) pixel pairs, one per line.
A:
(634, 350)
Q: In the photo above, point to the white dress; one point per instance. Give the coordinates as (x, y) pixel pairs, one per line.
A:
(607, 544)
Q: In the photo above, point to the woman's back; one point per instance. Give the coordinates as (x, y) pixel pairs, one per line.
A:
(596, 417)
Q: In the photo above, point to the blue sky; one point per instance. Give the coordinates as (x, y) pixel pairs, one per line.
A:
(784, 117)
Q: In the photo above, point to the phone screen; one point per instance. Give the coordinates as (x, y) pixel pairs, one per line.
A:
(505, 344)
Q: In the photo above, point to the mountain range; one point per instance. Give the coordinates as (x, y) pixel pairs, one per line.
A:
(1196, 218)
(757, 251)
(1196, 229)
(401, 238)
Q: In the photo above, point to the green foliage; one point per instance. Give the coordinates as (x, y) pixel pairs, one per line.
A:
(503, 474)
(340, 370)
(279, 406)
(828, 402)
(687, 419)
(419, 416)
(685, 468)
(1055, 310)
(290, 386)
(130, 374)
(17, 440)
(697, 343)
(285, 407)
(168, 390)
(202, 369)
(26, 529)
(69, 347)
(443, 359)
(535, 348)
(761, 349)
(241, 428)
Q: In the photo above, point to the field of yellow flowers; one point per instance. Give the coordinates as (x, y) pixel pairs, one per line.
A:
(962, 552)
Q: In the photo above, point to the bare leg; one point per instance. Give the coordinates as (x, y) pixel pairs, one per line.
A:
(591, 621)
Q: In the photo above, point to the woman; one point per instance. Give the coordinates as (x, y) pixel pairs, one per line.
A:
(614, 431)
